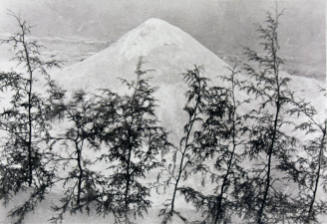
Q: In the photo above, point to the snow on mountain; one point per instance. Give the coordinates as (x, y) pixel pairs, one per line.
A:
(167, 52)
(164, 47)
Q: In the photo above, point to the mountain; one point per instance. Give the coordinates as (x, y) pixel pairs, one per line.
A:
(167, 52)
(164, 47)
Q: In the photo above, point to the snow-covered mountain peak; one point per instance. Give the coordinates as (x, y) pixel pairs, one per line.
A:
(165, 48)
(151, 34)
(156, 23)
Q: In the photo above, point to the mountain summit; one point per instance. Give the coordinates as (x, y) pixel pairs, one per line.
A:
(166, 49)
(150, 35)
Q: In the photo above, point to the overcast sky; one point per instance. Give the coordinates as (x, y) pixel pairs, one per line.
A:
(218, 24)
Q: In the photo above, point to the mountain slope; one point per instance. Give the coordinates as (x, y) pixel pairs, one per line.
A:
(164, 47)
(167, 52)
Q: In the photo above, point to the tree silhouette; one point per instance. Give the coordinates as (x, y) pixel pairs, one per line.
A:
(180, 169)
(311, 163)
(134, 141)
(24, 123)
(81, 184)
(219, 140)
(271, 147)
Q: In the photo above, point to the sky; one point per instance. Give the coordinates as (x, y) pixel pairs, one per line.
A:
(221, 25)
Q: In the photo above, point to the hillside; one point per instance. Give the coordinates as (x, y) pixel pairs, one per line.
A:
(167, 52)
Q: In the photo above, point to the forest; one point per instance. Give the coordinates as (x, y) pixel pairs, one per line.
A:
(242, 141)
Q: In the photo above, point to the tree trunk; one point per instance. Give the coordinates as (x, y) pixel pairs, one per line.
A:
(317, 178)
(270, 152)
(230, 162)
(80, 176)
(29, 146)
(128, 176)
(180, 170)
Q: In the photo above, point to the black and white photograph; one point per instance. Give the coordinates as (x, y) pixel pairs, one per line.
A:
(163, 112)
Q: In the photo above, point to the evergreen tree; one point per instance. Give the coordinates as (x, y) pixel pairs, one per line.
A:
(271, 147)
(220, 139)
(134, 141)
(183, 158)
(72, 154)
(311, 163)
(24, 124)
